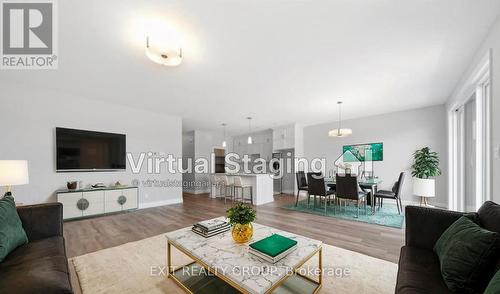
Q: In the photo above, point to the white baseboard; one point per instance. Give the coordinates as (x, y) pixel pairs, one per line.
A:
(196, 192)
(160, 203)
(417, 203)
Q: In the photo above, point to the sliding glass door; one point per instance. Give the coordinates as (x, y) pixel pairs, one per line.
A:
(470, 158)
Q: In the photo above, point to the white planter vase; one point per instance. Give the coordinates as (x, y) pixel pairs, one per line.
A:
(424, 187)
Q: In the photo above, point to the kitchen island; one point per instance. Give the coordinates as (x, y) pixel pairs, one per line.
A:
(262, 186)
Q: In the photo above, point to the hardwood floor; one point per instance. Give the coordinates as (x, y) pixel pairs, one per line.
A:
(89, 235)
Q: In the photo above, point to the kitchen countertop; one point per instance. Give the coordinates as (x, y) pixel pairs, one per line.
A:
(262, 186)
(244, 175)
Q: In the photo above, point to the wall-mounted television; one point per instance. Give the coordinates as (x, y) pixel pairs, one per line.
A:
(80, 150)
(361, 152)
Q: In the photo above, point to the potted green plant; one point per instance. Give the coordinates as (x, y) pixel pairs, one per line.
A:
(425, 167)
(241, 217)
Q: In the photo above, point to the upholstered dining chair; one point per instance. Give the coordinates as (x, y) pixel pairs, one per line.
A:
(395, 193)
(316, 187)
(301, 184)
(347, 189)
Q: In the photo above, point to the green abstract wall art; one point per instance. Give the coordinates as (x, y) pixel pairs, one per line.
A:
(363, 152)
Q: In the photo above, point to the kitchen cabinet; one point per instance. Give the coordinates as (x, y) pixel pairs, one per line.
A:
(262, 145)
(284, 137)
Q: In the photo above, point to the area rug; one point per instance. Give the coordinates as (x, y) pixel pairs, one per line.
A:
(136, 268)
(386, 216)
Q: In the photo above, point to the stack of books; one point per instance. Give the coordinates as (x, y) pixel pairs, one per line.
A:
(273, 248)
(212, 227)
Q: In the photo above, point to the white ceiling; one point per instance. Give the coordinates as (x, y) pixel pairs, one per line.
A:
(280, 61)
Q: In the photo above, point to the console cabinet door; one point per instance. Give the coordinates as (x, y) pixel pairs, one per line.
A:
(112, 200)
(123, 199)
(131, 199)
(95, 202)
(70, 204)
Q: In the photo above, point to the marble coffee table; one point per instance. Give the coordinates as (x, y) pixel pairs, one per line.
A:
(221, 266)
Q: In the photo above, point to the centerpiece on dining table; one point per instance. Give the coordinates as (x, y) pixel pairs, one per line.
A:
(241, 217)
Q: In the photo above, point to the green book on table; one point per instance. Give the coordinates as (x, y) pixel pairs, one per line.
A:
(273, 245)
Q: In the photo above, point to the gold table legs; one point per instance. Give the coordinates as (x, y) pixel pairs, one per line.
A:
(171, 270)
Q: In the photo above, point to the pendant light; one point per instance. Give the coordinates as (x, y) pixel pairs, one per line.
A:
(340, 132)
(224, 143)
(249, 141)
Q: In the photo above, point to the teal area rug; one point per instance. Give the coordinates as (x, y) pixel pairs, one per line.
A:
(386, 216)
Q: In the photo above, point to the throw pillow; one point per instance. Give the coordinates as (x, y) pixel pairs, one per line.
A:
(12, 234)
(465, 250)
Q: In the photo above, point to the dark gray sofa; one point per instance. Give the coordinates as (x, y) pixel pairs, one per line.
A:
(419, 269)
(41, 265)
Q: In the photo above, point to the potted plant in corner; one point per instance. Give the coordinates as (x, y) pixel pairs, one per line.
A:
(425, 167)
(241, 217)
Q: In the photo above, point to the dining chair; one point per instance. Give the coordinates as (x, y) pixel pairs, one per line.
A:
(316, 187)
(301, 184)
(348, 190)
(394, 193)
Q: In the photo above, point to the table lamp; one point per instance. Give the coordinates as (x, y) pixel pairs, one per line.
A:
(13, 173)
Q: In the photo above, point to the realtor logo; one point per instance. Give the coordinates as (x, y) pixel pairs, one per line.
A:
(28, 35)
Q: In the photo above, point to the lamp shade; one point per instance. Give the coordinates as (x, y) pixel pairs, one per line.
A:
(163, 52)
(340, 132)
(13, 172)
(424, 187)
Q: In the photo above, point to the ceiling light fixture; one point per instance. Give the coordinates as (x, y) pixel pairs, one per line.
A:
(249, 140)
(340, 132)
(224, 144)
(161, 54)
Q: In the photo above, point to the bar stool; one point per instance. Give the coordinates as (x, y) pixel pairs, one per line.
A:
(228, 183)
(214, 183)
(239, 185)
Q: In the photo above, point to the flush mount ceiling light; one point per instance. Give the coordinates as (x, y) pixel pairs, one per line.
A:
(163, 54)
(249, 140)
(224, 143)
(340, 132)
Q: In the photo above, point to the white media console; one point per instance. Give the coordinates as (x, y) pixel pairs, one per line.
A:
(90, 202)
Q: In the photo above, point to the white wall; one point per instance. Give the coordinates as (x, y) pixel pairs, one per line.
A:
(28, 118)
(204, 144)
(188, 153)
(402, 133)
(491, 42)
(200, 144)
(298, 150)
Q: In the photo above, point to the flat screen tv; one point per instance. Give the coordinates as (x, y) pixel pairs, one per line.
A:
(79, 150)
(363, 152)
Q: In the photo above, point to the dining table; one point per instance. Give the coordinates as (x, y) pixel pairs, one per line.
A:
(365, 184)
